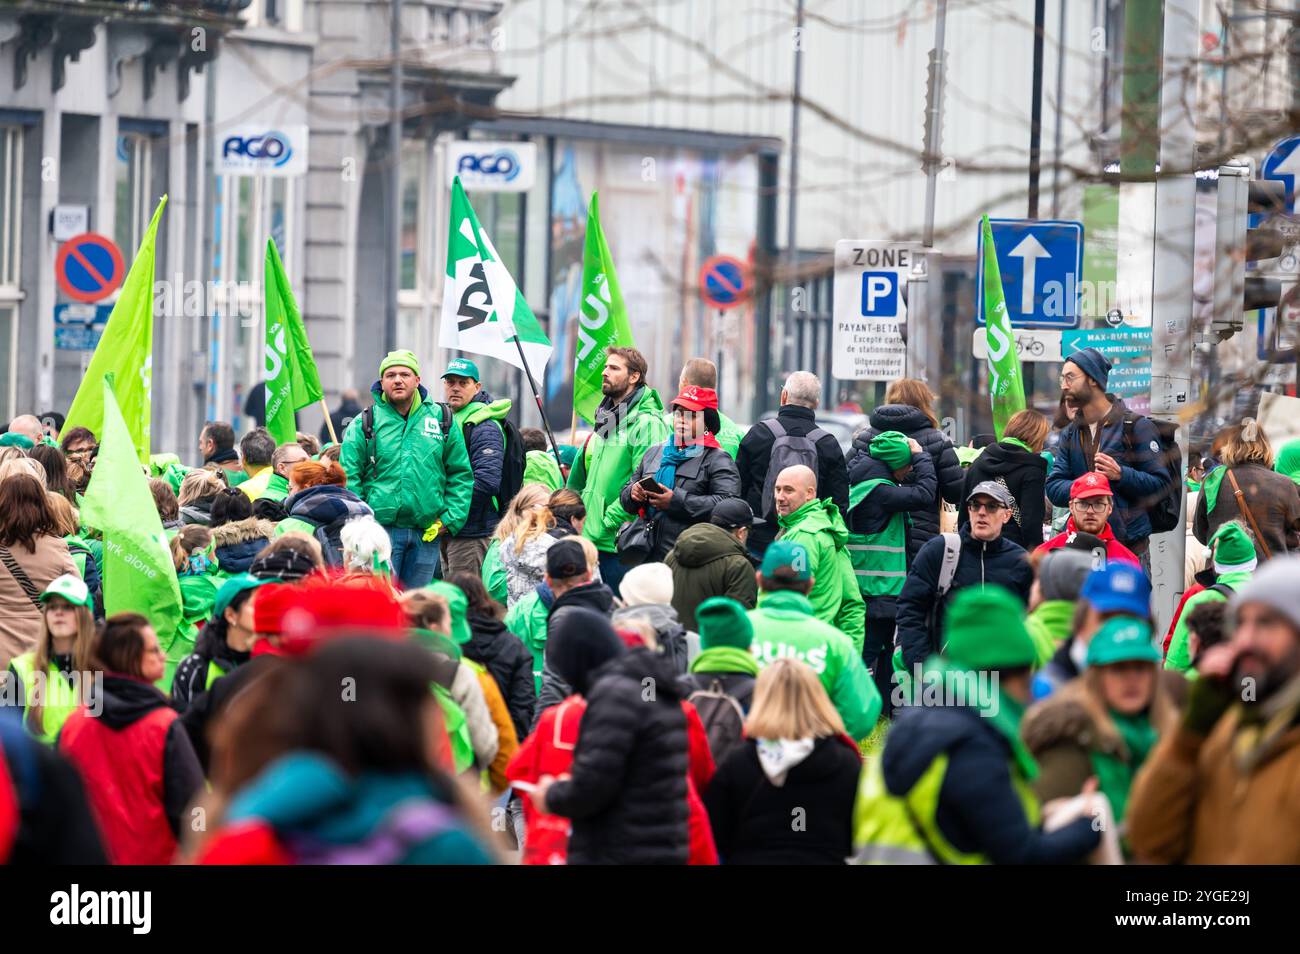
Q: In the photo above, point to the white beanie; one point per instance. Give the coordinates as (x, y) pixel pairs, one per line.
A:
(647, 584)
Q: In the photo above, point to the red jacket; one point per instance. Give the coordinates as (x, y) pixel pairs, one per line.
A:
(1178, 614)
(1114, 549)
(139, 770)
(549, 751)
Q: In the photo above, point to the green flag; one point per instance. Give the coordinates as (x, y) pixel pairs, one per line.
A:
(482, 308)
(291, 379)
(602, 322)
(1006, 385)
(126, 351)
(139, 576)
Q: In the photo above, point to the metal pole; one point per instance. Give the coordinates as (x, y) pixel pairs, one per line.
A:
(537, 395)
(934, 121)
(394, 282)
(791, 233)
(1036, 108)
(1060, 91)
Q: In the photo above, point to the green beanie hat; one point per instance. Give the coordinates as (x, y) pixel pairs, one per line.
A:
(985, 629)
(400, 359)
(14, 439)
(723, 622)
(891, 449)
(1288, 460)
(1231, 546)
(457, 605)
(1122, 639)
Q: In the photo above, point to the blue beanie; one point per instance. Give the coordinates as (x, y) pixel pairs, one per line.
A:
(1092, 363)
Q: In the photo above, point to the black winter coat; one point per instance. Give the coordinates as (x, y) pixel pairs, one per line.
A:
(979, 810)
(916, 493)
(752, 459)
(1025, 476)
(509, 662)
(700, 483)
(751, 818)
(999, 561)
(593, 596)
(626, 794)
(912, 422)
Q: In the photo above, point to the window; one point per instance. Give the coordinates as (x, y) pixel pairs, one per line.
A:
(413, 154)
(134, 171)
(11, 216)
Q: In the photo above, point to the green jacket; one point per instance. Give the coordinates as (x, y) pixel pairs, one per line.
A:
(277, 488)
(1049, 626)
(601, 474)
(419, 475)
(835, 596)
(494, 573)
(784, 625)
(540, 468)
(1180, 656)
(729, 436)
(527, 620)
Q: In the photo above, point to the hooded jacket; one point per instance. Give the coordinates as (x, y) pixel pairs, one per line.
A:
(917, 491)
(527, 620)
(1114, 549)
(324, 507)
(701, 482)
(670, 635)
(601, 472)
(912, 422)
(751, 815)
(486, 446)
(509, 663)
(197, 512)
(708, 561)
(998, 561)
(139, 769)
(593, 596)
(1142, 473)
(835, 596)
(1179, 656)
(238, 543)
(627, 792)
(540, 467)
(1024, 474)
(420, 475)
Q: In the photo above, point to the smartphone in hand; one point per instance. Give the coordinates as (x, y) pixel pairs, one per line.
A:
(650, 485)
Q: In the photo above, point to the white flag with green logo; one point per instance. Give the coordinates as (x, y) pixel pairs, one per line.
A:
(482, 308)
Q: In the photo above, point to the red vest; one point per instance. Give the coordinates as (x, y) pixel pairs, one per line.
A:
(123, 774)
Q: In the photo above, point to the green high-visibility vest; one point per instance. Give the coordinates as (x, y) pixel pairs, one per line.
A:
(58, 696)
(902, 830)
(879, 559)
(215, 672)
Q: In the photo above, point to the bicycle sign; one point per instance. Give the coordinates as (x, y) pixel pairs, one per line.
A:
(1031, 345)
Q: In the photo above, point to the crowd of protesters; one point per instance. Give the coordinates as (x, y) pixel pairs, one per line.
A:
(442, 640)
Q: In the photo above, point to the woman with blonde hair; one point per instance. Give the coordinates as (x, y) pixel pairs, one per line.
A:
(1271, 501)
(796, 763)
(908, 409)
(198, 489)
(1017, 463)
(522, 541)
(23, 465)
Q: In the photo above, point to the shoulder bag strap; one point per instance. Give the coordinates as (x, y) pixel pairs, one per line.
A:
(1245, 508)
(21, 576)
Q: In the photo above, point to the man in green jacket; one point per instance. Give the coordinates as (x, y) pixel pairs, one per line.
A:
(410, 465)
(540, 465)
(284, 459)
(785, 625)
(818, 525)
(703, 373)
(629, 421)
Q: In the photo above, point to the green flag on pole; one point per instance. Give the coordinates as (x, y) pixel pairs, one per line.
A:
(139, 575)
(482, 308)
(1006, 384)
(602, 322)
(126, 351)
(292, 382)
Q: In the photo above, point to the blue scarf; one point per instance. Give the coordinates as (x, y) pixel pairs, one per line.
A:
(673, 455)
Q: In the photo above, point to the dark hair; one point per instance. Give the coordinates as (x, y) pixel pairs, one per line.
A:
(230, 506)
(53, 420)
(257, 447)
(119, 646)
(77, 435)
(1207, 620)
(635, 361)
(785, 584)
(164, 499)
(25, 512)
(56, 471)
(533, 438)
(476, 595)
(220, 433)
(213, 634)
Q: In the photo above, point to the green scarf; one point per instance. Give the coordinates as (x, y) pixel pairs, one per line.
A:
(1210, 487)
(1018, 443)
(725, 659)
(1115, 775)
(1004, 715)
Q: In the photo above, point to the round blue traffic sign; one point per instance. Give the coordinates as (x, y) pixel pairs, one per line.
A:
(89, 267)
(724, 281)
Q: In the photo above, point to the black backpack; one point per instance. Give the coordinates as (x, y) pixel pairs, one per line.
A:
(723, 717)
(1163, 506)
(368, 427)
(513, 461)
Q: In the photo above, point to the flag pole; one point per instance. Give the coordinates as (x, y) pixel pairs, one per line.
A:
(329, 421)
(537, 396)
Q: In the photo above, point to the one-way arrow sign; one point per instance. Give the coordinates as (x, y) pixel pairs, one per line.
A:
(1041, 265)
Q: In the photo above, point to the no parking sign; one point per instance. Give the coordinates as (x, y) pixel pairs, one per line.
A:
(89, 267)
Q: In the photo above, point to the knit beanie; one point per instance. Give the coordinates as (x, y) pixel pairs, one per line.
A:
(400, 359)
(985, 629)
(1288, 460)
(723, 622)
(579, 642)
(1092, 363)
(891, 449)
(1276, 585)
(647, 584)
(1231, 547)
(457, 608)
(1062, 572)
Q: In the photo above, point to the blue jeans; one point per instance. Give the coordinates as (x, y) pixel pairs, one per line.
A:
(414, 561)
(611, 570)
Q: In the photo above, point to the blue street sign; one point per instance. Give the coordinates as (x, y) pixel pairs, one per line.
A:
(1282, 163)
(880, 295)
(1129, 351)
(1042, 265)
(79, 327)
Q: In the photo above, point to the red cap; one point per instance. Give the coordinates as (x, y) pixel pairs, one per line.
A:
(1090, 485)
(320, 608)
(696, 398)
(270, 602)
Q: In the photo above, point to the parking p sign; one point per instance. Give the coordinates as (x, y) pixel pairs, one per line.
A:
(866, 338)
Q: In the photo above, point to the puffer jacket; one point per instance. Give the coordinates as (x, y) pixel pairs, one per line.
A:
(1024, 474)
(835, 596)
(999, 562)
(238, 543)
(627, 791)
(526, 567)
(199, 512)
(420, 474)
(708, 561)
(670, 635)
(875, 511)
(912, 422)
(325, 507)
(510, 664)
(480, 424)
(701, 482)
(552, 689)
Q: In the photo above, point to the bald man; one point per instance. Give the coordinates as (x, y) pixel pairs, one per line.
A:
(29, 426)
(817, 524)
(703, 373)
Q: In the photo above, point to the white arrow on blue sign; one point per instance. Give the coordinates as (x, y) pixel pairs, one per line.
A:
(1283, 164)
(1041, 264)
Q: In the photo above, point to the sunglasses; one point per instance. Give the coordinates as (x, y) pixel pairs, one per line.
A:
(990, 507)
